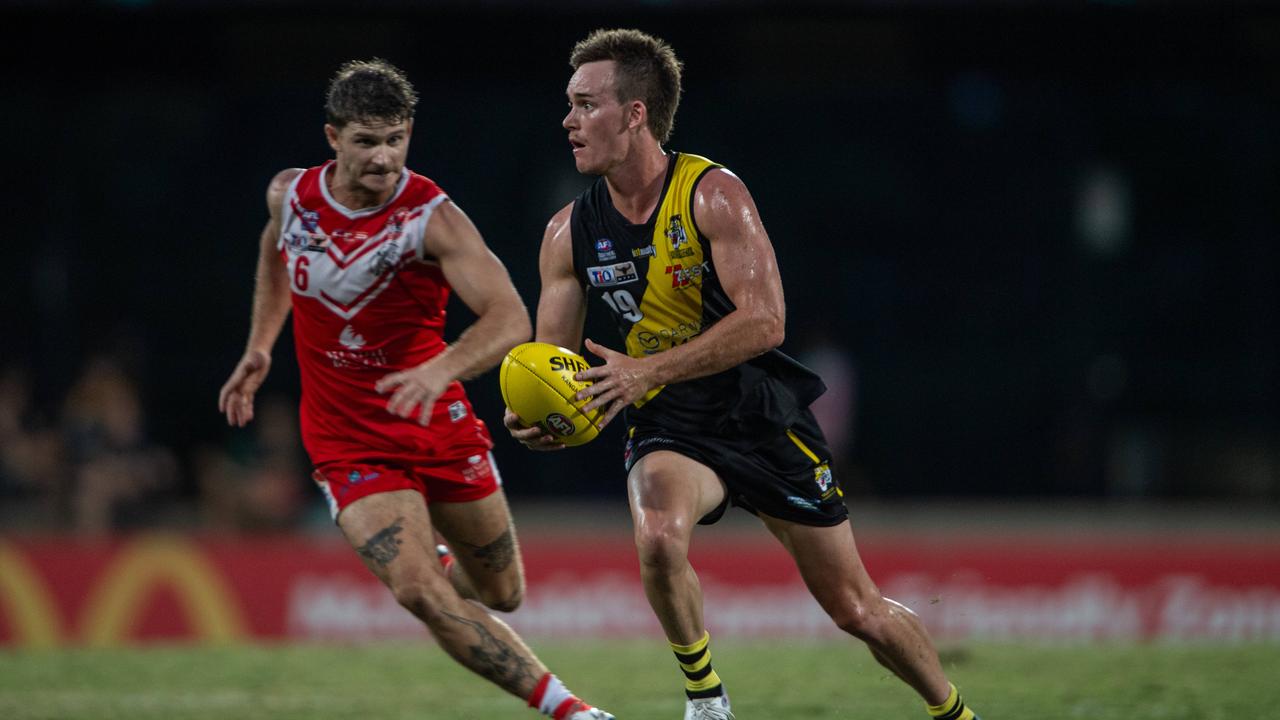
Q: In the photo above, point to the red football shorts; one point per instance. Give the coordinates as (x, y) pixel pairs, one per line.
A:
(471, 477)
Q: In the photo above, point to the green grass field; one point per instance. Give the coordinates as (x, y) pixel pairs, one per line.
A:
(637, 681)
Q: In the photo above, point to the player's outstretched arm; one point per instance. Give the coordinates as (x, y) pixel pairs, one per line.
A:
(271, 306)
(562, 310)
(748, 272)
(481, 281)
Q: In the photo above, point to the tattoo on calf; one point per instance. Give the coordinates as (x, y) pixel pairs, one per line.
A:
(385, 544)
(497, 661)
(497, 555)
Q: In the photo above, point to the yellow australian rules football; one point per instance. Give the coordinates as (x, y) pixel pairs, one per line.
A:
(537, 384)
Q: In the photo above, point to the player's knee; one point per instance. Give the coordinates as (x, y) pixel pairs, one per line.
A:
(857, 617)
(425, 597)
(511, 603)
(505, 597)
(662, 545)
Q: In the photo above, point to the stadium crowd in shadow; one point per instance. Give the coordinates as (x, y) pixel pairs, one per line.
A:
(95, 466)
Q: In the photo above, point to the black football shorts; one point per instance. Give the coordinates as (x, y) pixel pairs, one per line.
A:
(788, 476)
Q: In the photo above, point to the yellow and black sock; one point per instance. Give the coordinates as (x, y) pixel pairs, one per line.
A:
(952, 708)
(700, 680)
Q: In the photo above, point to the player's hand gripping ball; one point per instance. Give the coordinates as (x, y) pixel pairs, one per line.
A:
(537, 384)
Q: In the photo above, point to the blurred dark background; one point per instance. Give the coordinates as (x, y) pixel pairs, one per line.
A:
(1032, 245)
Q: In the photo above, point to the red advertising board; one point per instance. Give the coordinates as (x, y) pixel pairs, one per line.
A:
(59, 591)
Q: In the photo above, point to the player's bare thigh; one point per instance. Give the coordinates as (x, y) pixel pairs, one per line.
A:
(391, 532)
(827, 558)
(674, 489)
(483, 538)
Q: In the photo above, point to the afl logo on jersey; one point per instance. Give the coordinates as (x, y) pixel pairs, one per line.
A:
(609, 275)
(604, 249)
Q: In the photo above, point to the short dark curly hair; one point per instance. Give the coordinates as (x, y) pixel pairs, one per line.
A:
(364, 90)
(646, 69)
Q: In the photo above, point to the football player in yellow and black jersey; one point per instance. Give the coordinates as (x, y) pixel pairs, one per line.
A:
(673, 246)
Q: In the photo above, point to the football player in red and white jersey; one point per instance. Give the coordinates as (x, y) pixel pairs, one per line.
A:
(365, 252)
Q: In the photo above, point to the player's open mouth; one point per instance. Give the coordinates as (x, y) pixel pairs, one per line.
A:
(576, 145)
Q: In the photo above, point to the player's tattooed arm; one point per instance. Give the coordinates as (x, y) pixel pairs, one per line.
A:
(497, 555)
(497, 661)
(384, 546)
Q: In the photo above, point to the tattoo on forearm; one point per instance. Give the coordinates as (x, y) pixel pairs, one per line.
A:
(495, 660)
(384, 546)
(497, 555)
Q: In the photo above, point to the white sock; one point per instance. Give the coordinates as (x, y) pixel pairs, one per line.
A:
(551, 697)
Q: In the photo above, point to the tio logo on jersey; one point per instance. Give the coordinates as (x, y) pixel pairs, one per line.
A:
(608, 275)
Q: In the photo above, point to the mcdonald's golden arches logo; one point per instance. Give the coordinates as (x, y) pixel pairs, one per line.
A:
(118, 597)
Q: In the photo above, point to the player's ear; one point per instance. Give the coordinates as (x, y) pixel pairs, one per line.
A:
(637, 115)
(331, 134)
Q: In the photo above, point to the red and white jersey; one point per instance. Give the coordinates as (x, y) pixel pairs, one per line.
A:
(366, 302)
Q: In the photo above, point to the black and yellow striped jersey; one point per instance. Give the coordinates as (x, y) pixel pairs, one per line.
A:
(658, 279)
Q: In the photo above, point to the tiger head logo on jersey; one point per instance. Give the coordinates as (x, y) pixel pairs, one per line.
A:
(679, 240)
